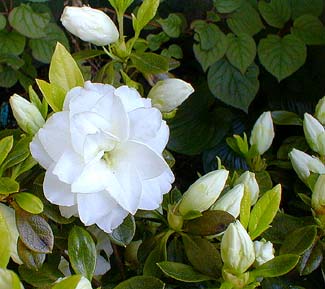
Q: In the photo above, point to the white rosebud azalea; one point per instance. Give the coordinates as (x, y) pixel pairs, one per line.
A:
(251, 185)
(262, 134)
(237, 249)
(169, 93)
(9, 280)
(91, 25)
(204, 192)
(320, 111)
(26, 114)
(264, 251)
(318, 196)
(303, 164)
(230, 201)
(314, 133)
(103, 155)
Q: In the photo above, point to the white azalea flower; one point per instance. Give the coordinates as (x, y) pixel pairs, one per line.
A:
(103, 155)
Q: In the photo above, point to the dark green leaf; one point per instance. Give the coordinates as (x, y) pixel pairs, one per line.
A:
(87, 54)
(276, 13)
(173, 24)
(11, 42)
(124, 234)
(156, 40)
(8, 186)
(311, 259)
(8, 77)
(3, 22)
(150, 63)
(302, 7)
(282, 117)
(264, 181)
(31, 259)
(227, 6)
(141, 282)
(12, 60)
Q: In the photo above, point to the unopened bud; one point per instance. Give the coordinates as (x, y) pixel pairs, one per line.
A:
(263, 252)
(314, 133)
(251, 185)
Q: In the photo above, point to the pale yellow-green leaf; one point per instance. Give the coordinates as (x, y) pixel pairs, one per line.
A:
(29, 202)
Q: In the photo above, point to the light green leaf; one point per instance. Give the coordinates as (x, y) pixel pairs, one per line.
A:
(124, 233)
(245, 20)
(231, 86)
(3, 22)
(264, 212)
(245, 209)
(141, 282)
(241, 51)
(145, 13)
(282, 56)
(70, 282)
(82, 252)
(64, 71)
(120, 5)
(9, 280)
(11, 42)
(42, 106)
(172, 25)
(150, 63)
(5, 242)
(276, 13)
(227, 6)
(309, 29)
(302, 7)
(28, 22)
(8, 186)
(43, 48)
(182, 272)
(6, 145)
(29, 202)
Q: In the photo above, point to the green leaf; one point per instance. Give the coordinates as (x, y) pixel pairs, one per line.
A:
(5, 242)
(120, 5)
(145, 13)
(245, 209)
(277, 266)
(173, 51)
(124, 233)
(203, 255)
(34, 232)
(29, 202)
(9, 280)
(8, 186)
(141, 282)
(182, 272)
(86, 54)
(231, 86)
(264, 181)
(82, 252)
(8, 77)
(6, 145)
(23, 167)
(28, 22)
(227, 6)
(3, 22)
(302, 7)
(70, 282)
(282, 117)
(245, 20)
(11, 42)
(173, 24)
(31, 259)
(264, 212)
(282, 56)
(276, 13)
(241, 51)
(210, 223)
(12, 60)
(298, 241)
(43, 48)
(311, 259)
(156, 40)
(309, 29)
(150, 63)
(64, 71)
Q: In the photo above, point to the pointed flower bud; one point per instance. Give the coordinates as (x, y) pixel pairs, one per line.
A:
(304, 164)
(262, 134)
(169, 93)
(318, 196)
(230, 201)
(237, 249)
(204, 192)
(251, 185)
(26, 114)
(264, 251)
(91, 25)
(320, 111)
(314, 133)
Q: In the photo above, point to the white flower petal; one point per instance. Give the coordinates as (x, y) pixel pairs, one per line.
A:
(130, 98)
(112, 220)
(159, 142)
(69, 211)
(39, 153)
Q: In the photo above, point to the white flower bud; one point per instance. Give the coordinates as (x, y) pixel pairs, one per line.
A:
(318, 196)
(251, 185)
(237, 249)
(26, 114)
(91, 25)
(83, 284)
(230, 202)
(262, 133)
(204, 192)
(170, 93)
(320, 111)
(303, 164)
(314, 133)
(263, 252)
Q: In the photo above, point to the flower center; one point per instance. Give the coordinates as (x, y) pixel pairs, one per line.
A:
(107, 157)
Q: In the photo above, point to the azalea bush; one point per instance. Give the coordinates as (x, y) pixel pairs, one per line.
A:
(92, 193)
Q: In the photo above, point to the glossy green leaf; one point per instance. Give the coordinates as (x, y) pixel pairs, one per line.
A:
(299, 240)
(70, 282)
(231, 86)
(276, 12)
(28, 22)
(309, 29)
(150, 63)
(277, 266)
(264, 181)
(182, 272)
(282, 117)
(141, 282)
(64, 71)
(5, 242)
(9, 280)
(172, 25)
(124, 233)
(245, 20)
(120, 5)
(22, 167)
(82, 252)
(6, 145)
(31, 259)
(302, 7)
(281, 56)
(34, 232)
(11, 42)
(29, 202)
(3, 22)
(241, 51)
(245, 209)
(311, 259)
(8, 186)
(227, 6)
(264, 212)
(145, 13)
